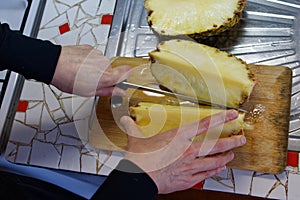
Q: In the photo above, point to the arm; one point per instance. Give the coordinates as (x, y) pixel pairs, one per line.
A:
(127, 181)
(34, 59)
(170, 161)
(81, 69)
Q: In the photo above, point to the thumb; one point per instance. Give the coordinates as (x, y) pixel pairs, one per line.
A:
(130, 127)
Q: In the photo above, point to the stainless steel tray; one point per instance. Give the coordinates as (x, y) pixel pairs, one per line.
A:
(268, 33)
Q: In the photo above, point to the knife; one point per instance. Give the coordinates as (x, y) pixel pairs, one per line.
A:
(125, 85)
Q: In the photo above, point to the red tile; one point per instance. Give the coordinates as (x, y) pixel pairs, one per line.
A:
(22, 106)
(64, 28)
(199, 186)
(292, 159)
(106, 19)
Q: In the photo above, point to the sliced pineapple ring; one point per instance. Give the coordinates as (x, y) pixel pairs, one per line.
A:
(205, 17)
(201, 71)
(154, 118)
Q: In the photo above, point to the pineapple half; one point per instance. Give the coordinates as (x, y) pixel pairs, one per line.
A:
(154, 118)
(204, 72)
(188, 17)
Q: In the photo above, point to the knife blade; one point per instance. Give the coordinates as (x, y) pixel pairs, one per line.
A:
(125, 85)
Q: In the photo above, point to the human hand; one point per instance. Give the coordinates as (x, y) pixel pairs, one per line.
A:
(176, 163)
(85, 71)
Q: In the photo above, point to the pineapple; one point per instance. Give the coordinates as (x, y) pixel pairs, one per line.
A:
(193, 17)
(154, 118)
(204, 72)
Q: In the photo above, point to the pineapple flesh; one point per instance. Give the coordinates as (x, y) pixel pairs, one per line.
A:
(192, 17)
(154, 118)
(204, 72)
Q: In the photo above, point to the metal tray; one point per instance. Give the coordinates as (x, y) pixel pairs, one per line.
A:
(268, 33)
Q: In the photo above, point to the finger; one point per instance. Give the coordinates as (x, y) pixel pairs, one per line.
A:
(130, 127)
(217, 146)
(226, 144)
(208, 163)
(207, 123)
(114, 76)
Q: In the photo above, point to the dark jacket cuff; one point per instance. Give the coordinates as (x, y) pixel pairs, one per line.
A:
(127, 181)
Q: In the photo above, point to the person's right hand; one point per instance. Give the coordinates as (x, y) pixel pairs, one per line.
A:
(173, 160)
(85, 71)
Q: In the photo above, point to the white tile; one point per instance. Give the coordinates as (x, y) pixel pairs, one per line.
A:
(242, 179)
(61, 7)
(95, 21)
(107, 7)
(278, 193)
(69, 129)
(40, 136)
(102, 48)
(79, 23)
(21, 133)
(88, 164)
(80, 15)
(58, 115)
(44, 154)
(101, 33)
(68, 141)
(111, 163)
(68, 38)
(71, 14)
(49, 13)
(10, 152)
(33, 114)
(48, 33)
(32, 91)
(88, 39)
(70, 158)
(56, 91)
(47, 122)
(85, 109)
(90, 6)
(82, 128)
(52, 136)
(23, 154)
(20, 116)
(56, 22)
(59, 148)
(71, 105)
(51, 100)
(262, 185)
(211, 184)
(85, 29)
(293, 187)
(70, 2)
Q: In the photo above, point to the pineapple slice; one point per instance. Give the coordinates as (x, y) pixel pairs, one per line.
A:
(201, 71)
(154, 118)
(188, 17)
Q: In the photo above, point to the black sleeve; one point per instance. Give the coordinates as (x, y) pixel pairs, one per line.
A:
(33, 58)
(127, 181)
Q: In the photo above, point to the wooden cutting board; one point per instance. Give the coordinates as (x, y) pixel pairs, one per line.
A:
(267, 142)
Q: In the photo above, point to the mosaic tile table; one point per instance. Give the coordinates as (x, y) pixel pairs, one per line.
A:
(48, 123)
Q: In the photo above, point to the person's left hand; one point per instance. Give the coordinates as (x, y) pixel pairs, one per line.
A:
(173, 160)
(85, 71)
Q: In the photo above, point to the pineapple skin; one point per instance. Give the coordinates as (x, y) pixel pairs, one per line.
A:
(214, 29)
(204, 72)
(152, 119)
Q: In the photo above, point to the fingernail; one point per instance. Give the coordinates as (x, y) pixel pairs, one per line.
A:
(243, 139)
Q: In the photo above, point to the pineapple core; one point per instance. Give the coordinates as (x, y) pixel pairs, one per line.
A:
(154, 118)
